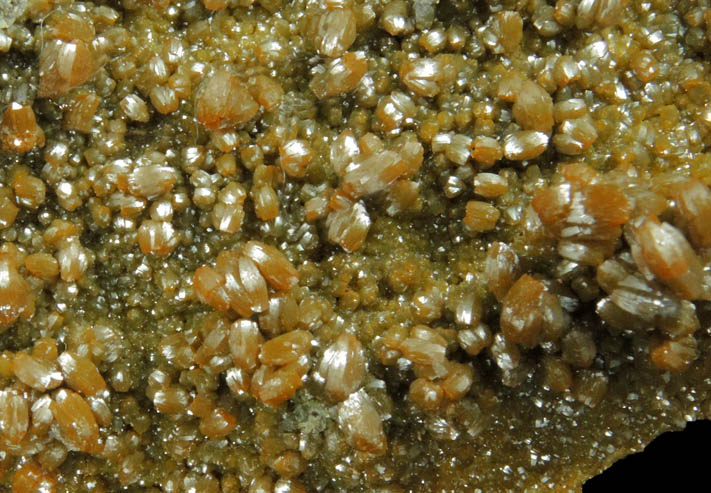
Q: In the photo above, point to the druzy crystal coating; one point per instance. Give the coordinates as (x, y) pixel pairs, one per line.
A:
(349, 245)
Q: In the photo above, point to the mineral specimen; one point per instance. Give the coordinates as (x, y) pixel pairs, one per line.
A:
(349, 245)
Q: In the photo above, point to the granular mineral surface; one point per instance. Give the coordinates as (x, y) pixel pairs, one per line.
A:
(349, 245)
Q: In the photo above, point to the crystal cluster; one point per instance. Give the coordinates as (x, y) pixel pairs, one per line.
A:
(349, 245)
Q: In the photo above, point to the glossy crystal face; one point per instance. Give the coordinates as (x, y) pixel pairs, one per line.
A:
(349, 245)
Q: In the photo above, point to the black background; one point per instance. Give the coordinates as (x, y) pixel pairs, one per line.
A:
(674, 462)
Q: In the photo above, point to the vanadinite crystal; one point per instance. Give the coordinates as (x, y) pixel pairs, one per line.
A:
(349, 245)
